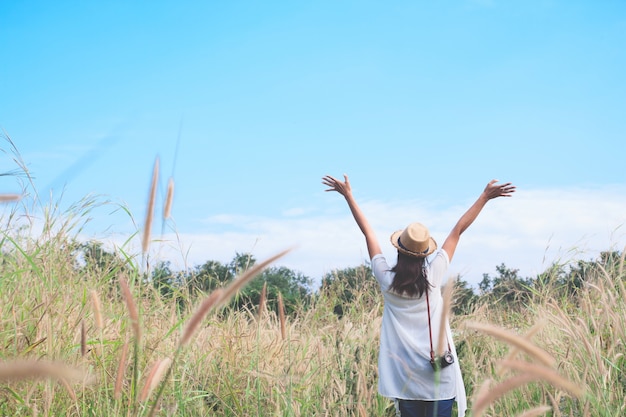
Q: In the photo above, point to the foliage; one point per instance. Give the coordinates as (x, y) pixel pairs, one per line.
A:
(98, 312)
(94, 262)
(567, 281)
(464, 299)
(349, 286)
(507, 287)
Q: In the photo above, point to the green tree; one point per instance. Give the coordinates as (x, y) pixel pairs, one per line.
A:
(295, 288)
(164, 279)
(464, 297)
(349, 286)
(241, 263)
(507, 286)
(209, 276)
(94, 262)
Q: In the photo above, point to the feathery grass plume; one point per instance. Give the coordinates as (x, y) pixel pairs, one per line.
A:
(154, 377)
(262, 300)
(281, 316)
(207, 304)
(622, 259)
(244, 278)
(167, 210)
(514, 350)
(5, 198)
(514, 340)
(131, 307)
(484, 388)
(69, 389)
(545, 374)
(581, 331)
(555, 404)
(145, 243)
(31, 369)
(83, 338)
(488, 396)
(97, 309)
(447, 304)
(121, 370)
(537, 411)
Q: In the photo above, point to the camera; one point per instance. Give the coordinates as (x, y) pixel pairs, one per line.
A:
(442, 361)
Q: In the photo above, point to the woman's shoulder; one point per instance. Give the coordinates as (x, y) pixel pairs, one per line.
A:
(440, 255)
(438, 265)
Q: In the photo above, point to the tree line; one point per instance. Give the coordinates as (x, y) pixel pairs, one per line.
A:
(343, 287)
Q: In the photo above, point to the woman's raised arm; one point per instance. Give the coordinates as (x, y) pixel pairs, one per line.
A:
(491, 191)
(343, 188)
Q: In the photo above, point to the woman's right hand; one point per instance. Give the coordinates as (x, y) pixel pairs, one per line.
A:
(493, 190)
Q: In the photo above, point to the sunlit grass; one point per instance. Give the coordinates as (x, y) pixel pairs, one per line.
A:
(108, 343)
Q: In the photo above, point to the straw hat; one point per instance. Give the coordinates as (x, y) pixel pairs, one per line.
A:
(414, 241)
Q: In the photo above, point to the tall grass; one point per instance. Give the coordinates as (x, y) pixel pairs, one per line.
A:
(107, 343)
(242, 363)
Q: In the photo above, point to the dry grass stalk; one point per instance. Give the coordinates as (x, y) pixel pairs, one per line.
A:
(167, 210)
(5, 198)
(207, 304)
(131, 307)
(487, 396)
(262, 300)
(537, 411)
(83, 338)
(581, 334)
(442, 344)
(243, 279)
(97, 309)
(154, 377)
(514, 340)
(31, 369)
(281, 317)
(121, 370)
(546, 374)
(145, 242)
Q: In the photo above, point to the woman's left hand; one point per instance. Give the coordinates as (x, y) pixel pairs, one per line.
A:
(342, 188)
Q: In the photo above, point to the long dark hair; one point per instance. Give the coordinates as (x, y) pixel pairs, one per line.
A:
(410, 276)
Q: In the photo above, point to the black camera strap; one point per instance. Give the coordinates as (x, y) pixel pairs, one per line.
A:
(430, 331)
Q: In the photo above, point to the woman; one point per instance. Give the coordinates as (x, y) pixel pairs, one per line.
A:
(409, 372)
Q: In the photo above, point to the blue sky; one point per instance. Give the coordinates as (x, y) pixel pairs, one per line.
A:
(248, 104)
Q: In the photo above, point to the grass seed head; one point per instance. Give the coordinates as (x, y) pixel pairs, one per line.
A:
(131, 307)
(514, 340)
(154, 377)
(147, 227)
(167, 210)
(33, 369)
(97, 309)
(207, 304)
(121, 370)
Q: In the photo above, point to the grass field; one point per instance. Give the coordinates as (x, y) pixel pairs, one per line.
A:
(106, 343)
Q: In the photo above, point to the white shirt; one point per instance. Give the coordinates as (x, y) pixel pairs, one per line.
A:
(404, 370)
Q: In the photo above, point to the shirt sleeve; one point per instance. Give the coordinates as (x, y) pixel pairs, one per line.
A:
(381, 271)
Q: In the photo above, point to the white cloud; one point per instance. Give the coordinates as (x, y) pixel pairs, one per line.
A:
(527, 232)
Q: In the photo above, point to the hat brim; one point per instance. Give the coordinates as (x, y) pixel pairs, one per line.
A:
(432, 246)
